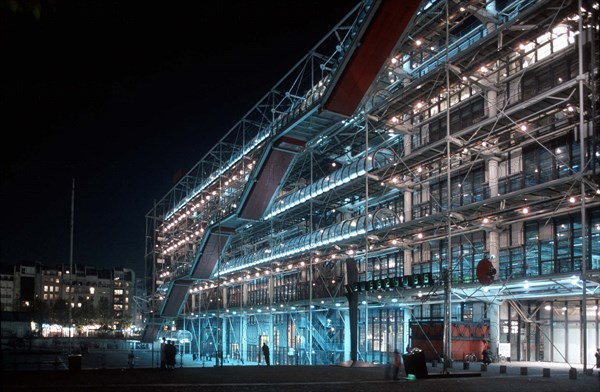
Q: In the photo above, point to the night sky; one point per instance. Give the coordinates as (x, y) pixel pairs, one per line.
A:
(121, 96)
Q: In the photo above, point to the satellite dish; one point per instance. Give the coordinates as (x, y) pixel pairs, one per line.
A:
(485, 272)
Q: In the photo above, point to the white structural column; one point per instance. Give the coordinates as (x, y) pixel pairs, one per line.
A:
(243, 339)
(407, 144)
(347, 337)
(493, 238)
(223, 342)
(407, 217)
(494, 315)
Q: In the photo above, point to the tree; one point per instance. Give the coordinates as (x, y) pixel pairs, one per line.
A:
(40, 312)
(105, 313)
(59, 313)
(84, 315)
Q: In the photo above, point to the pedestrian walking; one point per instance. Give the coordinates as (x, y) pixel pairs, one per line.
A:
(131, 359)
(265, 350)
(487, 356)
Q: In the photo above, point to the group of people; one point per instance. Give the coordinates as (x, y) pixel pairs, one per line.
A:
(168, 353)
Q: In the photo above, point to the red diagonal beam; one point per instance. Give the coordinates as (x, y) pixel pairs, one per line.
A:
(376, 44)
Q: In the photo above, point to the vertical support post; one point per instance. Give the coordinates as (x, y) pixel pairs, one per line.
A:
(582, 138)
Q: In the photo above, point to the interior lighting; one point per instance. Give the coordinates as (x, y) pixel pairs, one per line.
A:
(418, 42)
(526, 285)
(572, 199)
(526, 210)
(548, 307)
(486, 220)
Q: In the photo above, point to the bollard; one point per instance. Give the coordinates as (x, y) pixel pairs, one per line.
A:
(502, 369)
(523, 370)
(465, 365)
(75, 362)
(572, 374)
(483, 367)
(546, 372)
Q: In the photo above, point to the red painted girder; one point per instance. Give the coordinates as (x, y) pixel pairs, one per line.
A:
(376, 44)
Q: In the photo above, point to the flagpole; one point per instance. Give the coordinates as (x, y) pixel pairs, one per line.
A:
(70, 304)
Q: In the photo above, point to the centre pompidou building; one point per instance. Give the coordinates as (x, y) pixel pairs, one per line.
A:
(426, 176)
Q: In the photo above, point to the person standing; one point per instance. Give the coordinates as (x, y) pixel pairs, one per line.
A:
(265, 350)
(163, 353)
(397, 364)
(171, 355)
(597, 358)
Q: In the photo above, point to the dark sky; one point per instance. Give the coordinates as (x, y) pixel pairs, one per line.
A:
(120, 96)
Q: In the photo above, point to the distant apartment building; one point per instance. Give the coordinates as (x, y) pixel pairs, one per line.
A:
(7, 288)
(26, 282)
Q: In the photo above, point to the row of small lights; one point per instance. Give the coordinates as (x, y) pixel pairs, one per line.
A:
(291, 307)
(257, 275)
(486, 220)
(174, 221)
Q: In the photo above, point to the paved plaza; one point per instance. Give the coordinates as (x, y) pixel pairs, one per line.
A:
(108, 370)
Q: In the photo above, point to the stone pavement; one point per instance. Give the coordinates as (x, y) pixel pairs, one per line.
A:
(342, 377)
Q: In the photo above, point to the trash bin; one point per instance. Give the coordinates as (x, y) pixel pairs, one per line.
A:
(414, 363)
(75, 362)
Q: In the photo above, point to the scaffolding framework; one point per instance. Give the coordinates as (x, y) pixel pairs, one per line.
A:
(476, 139)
